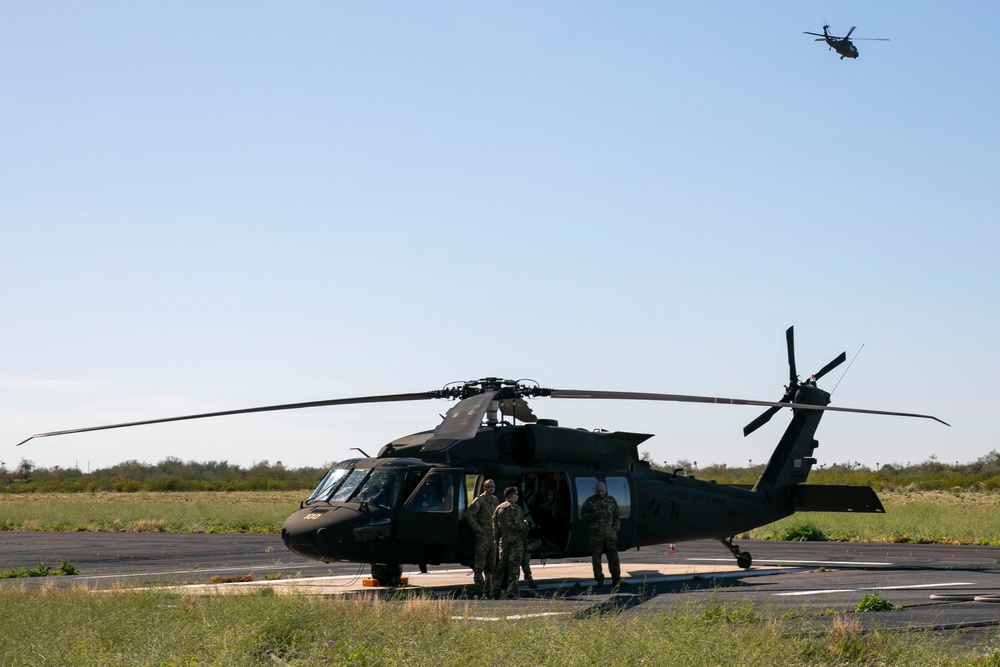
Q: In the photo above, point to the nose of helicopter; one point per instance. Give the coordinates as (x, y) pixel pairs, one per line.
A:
(322, 533)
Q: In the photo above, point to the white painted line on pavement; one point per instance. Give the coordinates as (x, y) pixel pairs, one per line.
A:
(513, 617)
(840, 563)
(874, 588)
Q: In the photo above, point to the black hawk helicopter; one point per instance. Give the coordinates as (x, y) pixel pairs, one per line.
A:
(842, 45)
(405, 506)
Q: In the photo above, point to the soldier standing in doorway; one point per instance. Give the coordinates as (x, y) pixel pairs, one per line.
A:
(479, 516)
(530, 542)
(600, 511)
(510, 528)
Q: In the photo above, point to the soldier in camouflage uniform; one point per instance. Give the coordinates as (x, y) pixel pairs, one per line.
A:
(600, 511)
(479, 516)
(510, 528)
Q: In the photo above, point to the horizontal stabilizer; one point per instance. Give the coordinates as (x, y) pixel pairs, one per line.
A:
(836, 498)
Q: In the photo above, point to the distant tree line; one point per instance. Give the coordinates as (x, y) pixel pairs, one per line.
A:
(173, 474)
(170, 474)
(983, 474)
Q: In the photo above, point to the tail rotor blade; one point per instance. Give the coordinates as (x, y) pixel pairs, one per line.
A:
(793, 377)
(759, 421)
(830, 366)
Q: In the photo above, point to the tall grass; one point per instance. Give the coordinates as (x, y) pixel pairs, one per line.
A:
(917, 517)
(250, 511)
(161, 628)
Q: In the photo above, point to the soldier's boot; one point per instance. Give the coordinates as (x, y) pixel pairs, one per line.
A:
(600, 580)
(616, 582)
(479, 580)
(531, 582)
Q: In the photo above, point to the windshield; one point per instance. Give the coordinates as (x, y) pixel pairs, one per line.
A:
(350, 485)
(327, 484)
(381, 488)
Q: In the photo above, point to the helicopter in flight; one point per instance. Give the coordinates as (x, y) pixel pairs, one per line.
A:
(842, 45)
(406, 505)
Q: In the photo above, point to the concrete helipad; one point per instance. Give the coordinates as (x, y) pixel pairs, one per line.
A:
(553, 575)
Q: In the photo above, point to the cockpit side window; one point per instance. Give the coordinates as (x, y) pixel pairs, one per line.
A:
(436, 494)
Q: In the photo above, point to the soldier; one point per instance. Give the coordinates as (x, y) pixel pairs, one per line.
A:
(479, 515)
(526, 568)
(510, 528)
(600, 511)
(529, 544)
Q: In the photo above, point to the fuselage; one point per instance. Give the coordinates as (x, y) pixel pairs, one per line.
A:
(404, 509)
(844, 47)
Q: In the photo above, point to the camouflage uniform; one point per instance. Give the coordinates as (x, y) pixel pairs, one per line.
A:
(510, 529)
(603, 521)
(479, 516)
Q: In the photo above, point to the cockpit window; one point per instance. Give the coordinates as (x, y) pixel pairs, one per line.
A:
(436, 494)
(349, 485)
(327, 484)
(381, 488)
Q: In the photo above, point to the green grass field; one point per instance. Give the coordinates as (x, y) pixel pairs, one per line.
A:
(917, 517)
(195, 512)
(58, 626)
(74, 627)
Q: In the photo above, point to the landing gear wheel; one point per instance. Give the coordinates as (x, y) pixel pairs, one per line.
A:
(387, 574)
(743, 558)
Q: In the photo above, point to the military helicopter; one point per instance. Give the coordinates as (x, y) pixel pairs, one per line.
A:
(406, 505)
(842, 45)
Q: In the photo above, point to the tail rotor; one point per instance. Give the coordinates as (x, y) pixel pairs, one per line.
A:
(793, 382)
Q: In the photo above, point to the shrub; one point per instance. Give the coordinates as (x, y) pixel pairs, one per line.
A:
(798, 533)
(874, 602)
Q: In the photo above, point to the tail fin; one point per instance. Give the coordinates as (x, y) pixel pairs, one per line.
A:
(792, 459)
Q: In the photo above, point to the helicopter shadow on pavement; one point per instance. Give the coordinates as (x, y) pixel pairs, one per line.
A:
(622, 599)
(631, 595)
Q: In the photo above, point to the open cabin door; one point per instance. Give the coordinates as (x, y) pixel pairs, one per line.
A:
(620, 488)
(546, 500)
(433, 512)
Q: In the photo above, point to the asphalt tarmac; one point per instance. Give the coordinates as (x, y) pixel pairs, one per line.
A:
(949, 588)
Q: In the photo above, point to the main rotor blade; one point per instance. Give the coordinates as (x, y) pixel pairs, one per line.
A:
(830, 366)
(813, 33)
(682, 398)
(868, 412)
(388, 398)
(518, 409)
(461, 422)
(850, 31)
(873, 39)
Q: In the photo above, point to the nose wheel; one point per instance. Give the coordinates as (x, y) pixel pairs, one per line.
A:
(743, 558)
(387, 574)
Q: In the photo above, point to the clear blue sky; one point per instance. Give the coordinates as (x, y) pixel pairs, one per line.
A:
(208, 206)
